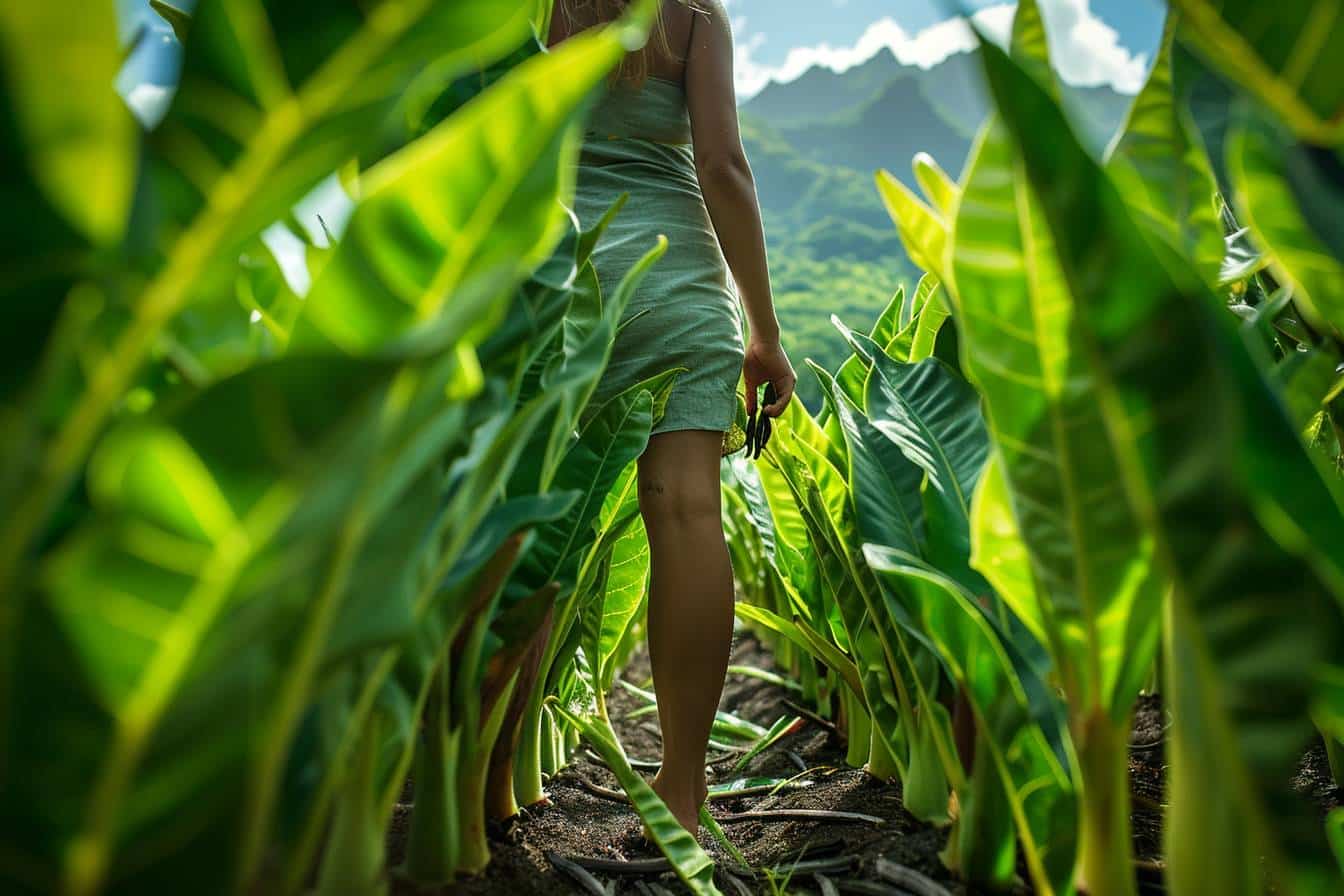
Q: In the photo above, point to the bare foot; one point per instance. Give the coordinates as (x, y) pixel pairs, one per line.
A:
(685, 808)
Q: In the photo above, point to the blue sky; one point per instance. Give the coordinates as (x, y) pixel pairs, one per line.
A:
(1095, 41)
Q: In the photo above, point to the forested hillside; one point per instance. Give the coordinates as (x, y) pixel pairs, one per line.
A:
(814, 144)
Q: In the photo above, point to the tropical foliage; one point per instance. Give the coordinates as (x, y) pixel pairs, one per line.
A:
(273, 542)
(1126, 459)
(269, 548)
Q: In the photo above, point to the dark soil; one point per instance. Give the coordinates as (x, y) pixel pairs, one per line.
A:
(1147, 775)
(1147, 786)
(581, 823)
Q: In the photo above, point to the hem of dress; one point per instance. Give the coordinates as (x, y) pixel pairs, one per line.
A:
(688, 427)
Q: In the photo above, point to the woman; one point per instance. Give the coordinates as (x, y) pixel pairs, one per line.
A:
(666, 132)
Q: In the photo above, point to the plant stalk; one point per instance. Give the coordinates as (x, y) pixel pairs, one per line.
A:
(432, 845)
(355, 855)
(882, 762)
(982, 848)
(1106, 853)
(858, 728)
(472, 778)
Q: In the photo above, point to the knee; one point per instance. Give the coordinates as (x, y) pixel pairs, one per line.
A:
(674, 504)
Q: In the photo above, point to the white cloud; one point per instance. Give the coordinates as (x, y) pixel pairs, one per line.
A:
(289, 252)
(1087, 51)
(149, 102)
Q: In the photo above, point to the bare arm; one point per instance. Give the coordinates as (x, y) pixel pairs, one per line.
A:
(730, 196)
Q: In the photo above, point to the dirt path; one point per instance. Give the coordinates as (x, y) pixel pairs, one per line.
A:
(580, 823)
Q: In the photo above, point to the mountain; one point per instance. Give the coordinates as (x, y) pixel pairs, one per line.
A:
(884, 132)
(879, 114)
(821, 92)
(815, 144)
(1098, 111)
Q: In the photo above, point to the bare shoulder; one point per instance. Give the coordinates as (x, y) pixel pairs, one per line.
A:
(705, 11)
(681, 15)
(711, 23)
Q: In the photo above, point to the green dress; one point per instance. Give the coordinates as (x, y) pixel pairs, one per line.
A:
(638, 141)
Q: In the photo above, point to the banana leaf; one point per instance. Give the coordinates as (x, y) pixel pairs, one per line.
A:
(1160, 159)
(1258, 159)
(1246, 537)
(77, 142)
(1287, 57)
(922, 229)
(217, 178)
(1021, 720)
(1097, 594)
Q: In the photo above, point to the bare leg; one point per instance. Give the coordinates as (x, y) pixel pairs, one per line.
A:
(690, 605)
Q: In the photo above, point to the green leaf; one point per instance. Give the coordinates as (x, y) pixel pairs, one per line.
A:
(803, 636)
(471, 536)
(182, 561)
(879, 495)
(574, 371)
(999, 553)
(1029, 45)
(1305, 379)
(1159, 158)
(1020, 717)
(73, 136)
(1257, 160)
(900, 678)
(625, 290)
(471, 198)
(933, 416)
(902, 346)
(1090, 555)
(382, 588)
(298, 106)
(922, 229)
(612, 576)
(1287, 56)
(1335, 829)
(927, 329)
(783, 532)
(940, 189)
(709, 821)
(589, 238)
(689, 861)
(909, 335)
(892, 318)
(1318, 185)
(885, 483)
(822, 498)
(628, 576)
(60, 122)
(782, 726)
(607, 444)
(1244, 528)
(729, 727)
(480, 472)
(528, 330)
(265, 110)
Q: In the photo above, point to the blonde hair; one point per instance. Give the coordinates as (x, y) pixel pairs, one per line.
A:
(634, 68)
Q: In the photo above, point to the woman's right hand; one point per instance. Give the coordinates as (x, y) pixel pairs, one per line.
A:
(766, 362)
